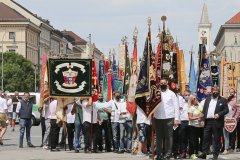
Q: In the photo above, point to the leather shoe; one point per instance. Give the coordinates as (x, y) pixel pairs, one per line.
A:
(215, 157)
(166, 157)
(121, 152)
(30, 145)
(20, 146)
(202, 156)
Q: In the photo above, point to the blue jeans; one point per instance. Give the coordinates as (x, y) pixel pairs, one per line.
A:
(116, 133)
(126, 127)
(78, 136)
(25, 123)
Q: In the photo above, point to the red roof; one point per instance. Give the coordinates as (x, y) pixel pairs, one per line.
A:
(234, 20)
(9, 14)
(77, 39)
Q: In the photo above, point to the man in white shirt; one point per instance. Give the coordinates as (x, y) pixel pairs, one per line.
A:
(70, 126)
(166, 116)
(115, 105)
(89, 125)
(126, 126)
(54, 128)
(214, 110)
(3, 117)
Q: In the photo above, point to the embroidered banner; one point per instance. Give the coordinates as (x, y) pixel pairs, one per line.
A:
(70, 77)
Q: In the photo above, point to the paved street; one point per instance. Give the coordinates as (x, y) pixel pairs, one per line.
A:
(11, 151)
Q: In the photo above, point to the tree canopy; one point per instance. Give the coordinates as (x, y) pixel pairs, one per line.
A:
(18, 73)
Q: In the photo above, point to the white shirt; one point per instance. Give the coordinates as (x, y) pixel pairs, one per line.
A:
(141, 117)
(3, 105)
(87, 112)
(10, 105)
(184, 112)
(230, 113)
(53, 110)
(211, 108)
(70, 117)
(115, 110)
(123, 109)
(168, 107)
(46, 111)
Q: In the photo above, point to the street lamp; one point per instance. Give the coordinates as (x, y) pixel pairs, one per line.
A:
(35, 77)
(2, 57)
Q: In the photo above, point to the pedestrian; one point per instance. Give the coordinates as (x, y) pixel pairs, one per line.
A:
(47, 116)
(166, 116)
(54, 125)
(15, 101)
(10, 110)
(89, 125)
(115, 120)
(235, 135)
(230, 114)
(70, 126)
(184, 127)
(195, 128)
(215, 108)
(78, 113)
(126, 128)
(24, 111)
(3, 117)
(143, 124)
(103, 108)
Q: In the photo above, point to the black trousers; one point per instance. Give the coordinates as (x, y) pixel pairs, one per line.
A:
(54, 133)
(233, 136)
(212, 127)
(195, 137)
(70, 135)
(176, 139)
(164, 131)
(183, 136)
(87, 135)
(105, 126)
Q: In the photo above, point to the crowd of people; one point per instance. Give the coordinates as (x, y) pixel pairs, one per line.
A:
(183, 126)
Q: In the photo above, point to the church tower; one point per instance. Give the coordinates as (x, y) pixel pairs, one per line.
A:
(204, 29)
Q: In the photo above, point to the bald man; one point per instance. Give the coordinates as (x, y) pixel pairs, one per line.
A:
(214, 109)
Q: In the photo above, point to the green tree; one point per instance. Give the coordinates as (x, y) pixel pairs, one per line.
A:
(18, 73)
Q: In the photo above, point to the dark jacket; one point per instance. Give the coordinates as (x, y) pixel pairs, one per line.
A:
(221, 109)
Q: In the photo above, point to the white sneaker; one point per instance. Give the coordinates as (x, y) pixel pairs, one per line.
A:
(45, 147)
(140, 154)
(225, 152)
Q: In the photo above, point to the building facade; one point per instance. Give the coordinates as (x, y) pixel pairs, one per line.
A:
(227, 43)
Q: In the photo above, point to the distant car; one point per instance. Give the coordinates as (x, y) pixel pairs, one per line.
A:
(35, 99)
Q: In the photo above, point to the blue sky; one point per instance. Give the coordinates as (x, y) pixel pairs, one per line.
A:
(109, 20)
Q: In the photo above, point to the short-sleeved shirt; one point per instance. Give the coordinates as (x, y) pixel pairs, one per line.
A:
(196, 111)
(87, 113)
(3, 105)
(10, 105)
(99, 107)
(15, 99)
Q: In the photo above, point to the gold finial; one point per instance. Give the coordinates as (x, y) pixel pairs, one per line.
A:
(149, 21)
(164, 18)
(135, 34)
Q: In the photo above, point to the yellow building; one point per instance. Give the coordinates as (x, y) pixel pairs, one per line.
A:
(18, 34)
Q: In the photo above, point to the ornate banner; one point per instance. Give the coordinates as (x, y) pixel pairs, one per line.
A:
(215, 73)
(70, 77)
(230, 124)
(238, 91)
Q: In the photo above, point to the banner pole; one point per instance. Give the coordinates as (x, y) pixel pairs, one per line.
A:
(153, 153)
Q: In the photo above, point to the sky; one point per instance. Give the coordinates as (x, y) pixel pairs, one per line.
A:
(109, 20)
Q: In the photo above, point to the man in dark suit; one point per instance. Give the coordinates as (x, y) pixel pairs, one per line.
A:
(214, 109)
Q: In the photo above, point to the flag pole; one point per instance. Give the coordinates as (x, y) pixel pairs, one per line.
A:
(149, 59)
